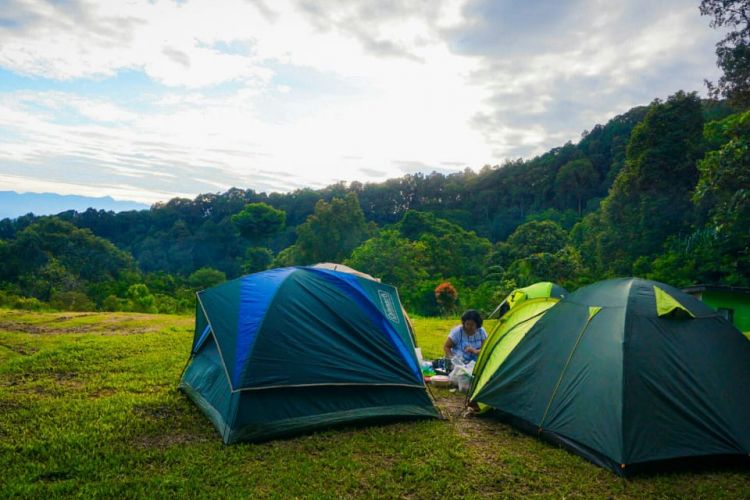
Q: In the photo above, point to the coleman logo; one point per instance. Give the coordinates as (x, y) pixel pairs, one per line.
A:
(387, 302)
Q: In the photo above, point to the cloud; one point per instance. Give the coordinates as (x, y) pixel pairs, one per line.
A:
(571, 65)
(171, 42)
(414, 167)
(388, 28)
(179, 97)
(369, 172)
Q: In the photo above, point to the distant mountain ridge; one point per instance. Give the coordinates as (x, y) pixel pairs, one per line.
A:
(14, 204)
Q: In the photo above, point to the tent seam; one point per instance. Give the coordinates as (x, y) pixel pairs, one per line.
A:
(326, 384)
(218, 346)
(496, 344)
(625, 335)
(562, 373)
(263, 321)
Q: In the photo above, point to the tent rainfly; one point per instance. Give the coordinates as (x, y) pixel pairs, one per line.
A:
(290, 350)
(627, 372)
(518, 313)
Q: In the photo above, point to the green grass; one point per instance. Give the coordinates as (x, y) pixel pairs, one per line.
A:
(89, 407)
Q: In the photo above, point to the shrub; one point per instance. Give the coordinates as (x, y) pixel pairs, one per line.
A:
(28, 303)
(447, 297)
(71, 301)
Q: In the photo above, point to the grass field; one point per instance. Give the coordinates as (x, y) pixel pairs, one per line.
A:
(89, 407)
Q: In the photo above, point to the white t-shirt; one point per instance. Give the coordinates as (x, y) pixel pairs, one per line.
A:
(461, 339)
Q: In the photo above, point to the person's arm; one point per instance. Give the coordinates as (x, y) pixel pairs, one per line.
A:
(475, 350)
(448, 348)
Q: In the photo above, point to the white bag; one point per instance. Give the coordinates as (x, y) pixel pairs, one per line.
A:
(460, 376)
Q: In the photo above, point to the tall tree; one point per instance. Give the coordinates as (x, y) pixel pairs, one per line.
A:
(723, 195)
(259, 220)
(537, 237)
(333, 231)
(650, 199)
(733, 51)
(576, 179)
(392, 258)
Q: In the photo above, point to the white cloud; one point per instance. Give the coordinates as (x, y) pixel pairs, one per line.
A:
(326, 90)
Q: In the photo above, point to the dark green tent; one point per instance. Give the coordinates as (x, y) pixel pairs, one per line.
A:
(293, 349)
(627, 372)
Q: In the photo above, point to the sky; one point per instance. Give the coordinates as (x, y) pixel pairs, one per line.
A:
(148, 100)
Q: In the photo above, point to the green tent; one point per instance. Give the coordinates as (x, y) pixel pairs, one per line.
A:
(519, 312)
(289, 350)
(626, 372)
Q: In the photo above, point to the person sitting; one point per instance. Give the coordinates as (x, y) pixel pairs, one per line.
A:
(466, 340)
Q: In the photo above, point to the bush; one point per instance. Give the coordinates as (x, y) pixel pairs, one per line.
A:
(141, 299)
(166, 304)
(28, 303)
(71, 301)
(113, 303)
(446, 297)
(206, 277)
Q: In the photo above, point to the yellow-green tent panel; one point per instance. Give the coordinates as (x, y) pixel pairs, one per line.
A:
(527, 306)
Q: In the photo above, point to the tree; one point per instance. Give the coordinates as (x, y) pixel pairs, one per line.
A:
(650, 199)
(333, 231)
(537, 237)
(562, 267)
(576, 179)
(723, 198)
(51, 255)
(141, 298)
(259, 220)
(447, 297)
(206, 277)
(733, 51)
(390, 257)
(450, 250)
(257, 259)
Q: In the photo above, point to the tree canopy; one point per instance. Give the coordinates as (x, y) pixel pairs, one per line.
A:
(733, 51)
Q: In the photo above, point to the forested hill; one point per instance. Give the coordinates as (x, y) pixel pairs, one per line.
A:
(643, 194)
(491, 202)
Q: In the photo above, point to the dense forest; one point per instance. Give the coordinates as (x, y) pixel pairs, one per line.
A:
(661, 191)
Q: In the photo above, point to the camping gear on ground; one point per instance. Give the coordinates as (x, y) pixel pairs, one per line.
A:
(443, 365)
(626, 372)
(519, 312)
(460, 376)
(418, 353)
(427, 369)
(288, 350)
(440, 381)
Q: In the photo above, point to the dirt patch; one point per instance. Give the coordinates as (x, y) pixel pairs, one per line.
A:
(44, 329)
(68, 380)
(70, 324)
(9, 406)
(68, 317)
(166, 440)
(55, 475)
(14, 326)
(156, 412)
(129, 331)
(23, 350)
(103, 392)
(467, 425)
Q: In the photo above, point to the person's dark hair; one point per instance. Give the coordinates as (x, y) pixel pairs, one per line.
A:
(473, 315)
